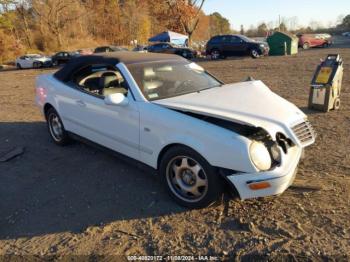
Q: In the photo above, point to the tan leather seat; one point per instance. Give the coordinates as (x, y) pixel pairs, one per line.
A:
(111, 83)
(109, 91)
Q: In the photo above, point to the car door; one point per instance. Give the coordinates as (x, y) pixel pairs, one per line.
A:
(226, 48)
(238, 45)
(155, 48)
(58, 58)
(318, 40)
(169, 49)
(86, 114)
(21, 61)
(65, 57)
(27, 62)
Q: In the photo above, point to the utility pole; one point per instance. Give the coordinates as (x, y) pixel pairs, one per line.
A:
(279, 22)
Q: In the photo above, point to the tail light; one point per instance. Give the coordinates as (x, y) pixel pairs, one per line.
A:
(41, 94)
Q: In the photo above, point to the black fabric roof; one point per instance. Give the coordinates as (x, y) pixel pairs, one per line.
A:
(112, 59)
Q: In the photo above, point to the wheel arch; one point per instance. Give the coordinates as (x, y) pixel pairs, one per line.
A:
(47, 107)
(222, 172)
(169, 146)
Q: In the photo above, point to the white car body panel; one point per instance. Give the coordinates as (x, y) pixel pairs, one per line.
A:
(28, 63)
(142, 129)
(280, 178)
(251, 103)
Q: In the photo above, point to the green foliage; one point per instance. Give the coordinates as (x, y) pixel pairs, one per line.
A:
(219, 25)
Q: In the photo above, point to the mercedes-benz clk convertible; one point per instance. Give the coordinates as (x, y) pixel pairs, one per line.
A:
(172, 115)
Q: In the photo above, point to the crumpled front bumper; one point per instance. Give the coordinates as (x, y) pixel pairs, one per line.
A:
(278, 179)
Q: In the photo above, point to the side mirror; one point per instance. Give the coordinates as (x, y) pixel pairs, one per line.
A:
(117, 99)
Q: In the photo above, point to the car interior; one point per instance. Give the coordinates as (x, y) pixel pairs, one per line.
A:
(101, 81)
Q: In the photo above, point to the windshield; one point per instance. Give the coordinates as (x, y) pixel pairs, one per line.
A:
(34, 56)
(159, 80)
(247, 39)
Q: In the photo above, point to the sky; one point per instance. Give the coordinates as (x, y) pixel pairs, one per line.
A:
(304, 12)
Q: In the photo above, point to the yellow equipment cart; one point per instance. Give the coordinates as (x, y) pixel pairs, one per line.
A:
(326, 84)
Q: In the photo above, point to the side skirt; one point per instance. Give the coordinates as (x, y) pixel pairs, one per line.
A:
(120, 156)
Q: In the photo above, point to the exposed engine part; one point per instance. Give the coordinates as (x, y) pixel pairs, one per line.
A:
(283, 142)
(244, 130)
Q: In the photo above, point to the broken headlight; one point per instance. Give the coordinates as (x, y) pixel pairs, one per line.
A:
(260, 156)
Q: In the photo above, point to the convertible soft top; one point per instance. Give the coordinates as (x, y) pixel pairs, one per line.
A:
(112, 59)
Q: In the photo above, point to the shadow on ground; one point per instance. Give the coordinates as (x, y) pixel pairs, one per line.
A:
(52, 189)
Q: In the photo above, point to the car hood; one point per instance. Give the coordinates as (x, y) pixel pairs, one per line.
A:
(250, 103)
(260, 43)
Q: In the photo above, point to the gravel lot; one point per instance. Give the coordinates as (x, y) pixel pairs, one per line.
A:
(81, 200)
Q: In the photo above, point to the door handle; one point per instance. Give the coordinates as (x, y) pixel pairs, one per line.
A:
(80, 103)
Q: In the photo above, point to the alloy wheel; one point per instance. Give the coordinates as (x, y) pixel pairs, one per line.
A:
(215, 54)
(187, 179)
(255, 53)
(55, 127)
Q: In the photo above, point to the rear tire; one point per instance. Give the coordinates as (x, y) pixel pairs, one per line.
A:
(56, 129)
(215, 54)
(190, 180)
(18, 65)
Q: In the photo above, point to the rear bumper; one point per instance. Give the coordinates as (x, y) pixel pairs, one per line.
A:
(278, 180)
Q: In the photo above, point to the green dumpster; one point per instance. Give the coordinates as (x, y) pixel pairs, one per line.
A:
(282, 43)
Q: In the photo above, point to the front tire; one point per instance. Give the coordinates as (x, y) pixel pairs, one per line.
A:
(254, 53)
(56, 129)
(190, 180)
(19, 66)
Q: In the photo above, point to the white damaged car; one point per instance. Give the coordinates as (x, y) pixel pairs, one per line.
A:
(175, 117)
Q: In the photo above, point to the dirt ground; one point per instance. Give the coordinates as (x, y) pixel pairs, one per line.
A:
(80, 200)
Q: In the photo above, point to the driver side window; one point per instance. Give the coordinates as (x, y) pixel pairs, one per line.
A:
(100, 80)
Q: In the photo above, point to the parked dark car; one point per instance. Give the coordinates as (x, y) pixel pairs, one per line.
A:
(222, 46)
(169, 48)
(110, 48)
(63, 57)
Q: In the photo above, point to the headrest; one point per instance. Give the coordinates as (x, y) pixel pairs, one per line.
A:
(148, 73)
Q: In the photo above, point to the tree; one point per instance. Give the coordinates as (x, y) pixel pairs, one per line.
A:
(346, 23)
(55, 16)
(202, 32)
(219, 25)
(283, 27)
(262, 30)
(187, 12)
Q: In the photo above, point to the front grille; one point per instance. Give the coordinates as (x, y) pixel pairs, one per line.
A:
(304, 132)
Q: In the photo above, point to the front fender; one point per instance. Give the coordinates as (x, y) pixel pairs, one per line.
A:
(161, 127)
